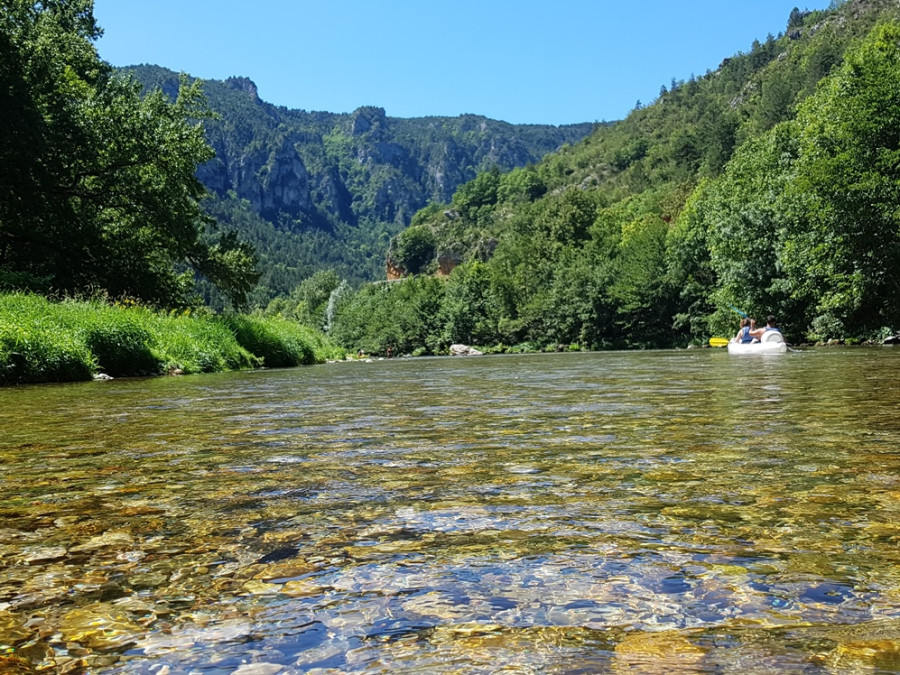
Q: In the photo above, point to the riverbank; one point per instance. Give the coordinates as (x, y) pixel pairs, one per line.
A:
(70, 340)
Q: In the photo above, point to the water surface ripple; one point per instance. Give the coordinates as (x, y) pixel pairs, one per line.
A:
(643, 511)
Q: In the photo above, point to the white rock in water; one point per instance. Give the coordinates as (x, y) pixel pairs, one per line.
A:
(463, 350)
(105, 540)
(258, 669)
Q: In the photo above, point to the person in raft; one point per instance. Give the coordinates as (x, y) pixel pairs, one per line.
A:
(744, 332)
(770, 325)
(753, 332)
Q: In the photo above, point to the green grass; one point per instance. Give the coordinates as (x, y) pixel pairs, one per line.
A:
(48, 341)
(276, 341)
(34, 349)
(199, 345)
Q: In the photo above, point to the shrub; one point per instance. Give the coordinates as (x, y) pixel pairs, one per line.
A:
(199, 345)
(46, 341)
(279, 343)
(120, 339)
(33, 345)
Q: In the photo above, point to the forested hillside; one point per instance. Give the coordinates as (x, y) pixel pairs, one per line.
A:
(316, 190)
(769, 185)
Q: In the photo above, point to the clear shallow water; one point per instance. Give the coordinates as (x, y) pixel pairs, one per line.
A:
(648, 512)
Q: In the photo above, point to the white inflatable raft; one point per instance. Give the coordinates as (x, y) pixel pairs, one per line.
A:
(771, 342)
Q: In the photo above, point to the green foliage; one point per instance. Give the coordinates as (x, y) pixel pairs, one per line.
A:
(44, 341)
(97, 184)
(846, 243)
(745, 215)
(804, 222)
(393, 318)
(199, 346)
(232, 266)
(770, 185)
(119, 340)
(690, 273)
(638, 291)
(355, 180)
(308, 302)
(32, 346)
(520, 185)
(471, 311)
(278, 342)
(567, 217)
(413, 249)
(478, 196)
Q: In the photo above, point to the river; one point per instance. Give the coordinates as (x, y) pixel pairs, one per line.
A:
(556, 513)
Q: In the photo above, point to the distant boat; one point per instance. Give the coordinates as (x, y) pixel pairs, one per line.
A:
(771, 342)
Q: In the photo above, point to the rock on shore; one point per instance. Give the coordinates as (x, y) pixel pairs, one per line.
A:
(464, 350)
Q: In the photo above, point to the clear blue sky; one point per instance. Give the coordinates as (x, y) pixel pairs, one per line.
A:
(522, 61)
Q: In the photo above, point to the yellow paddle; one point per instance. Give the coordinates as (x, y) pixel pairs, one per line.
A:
(718, 342)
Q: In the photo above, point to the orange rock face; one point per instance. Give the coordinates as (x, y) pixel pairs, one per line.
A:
(393, 271)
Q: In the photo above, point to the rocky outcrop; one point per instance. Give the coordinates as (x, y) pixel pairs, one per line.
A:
(274, 179)
(368, 120)
(393, 271)
(333, 196)
(214, 175)
(447, 262)
(274, 183)
(363, 169)
(485, 248)
(245, 85)
(284, 182)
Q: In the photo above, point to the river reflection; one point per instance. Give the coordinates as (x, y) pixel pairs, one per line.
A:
(645, 512)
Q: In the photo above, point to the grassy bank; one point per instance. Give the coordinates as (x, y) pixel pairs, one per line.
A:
(47, 341)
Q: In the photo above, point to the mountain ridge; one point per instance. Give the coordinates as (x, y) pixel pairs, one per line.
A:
(344, 181)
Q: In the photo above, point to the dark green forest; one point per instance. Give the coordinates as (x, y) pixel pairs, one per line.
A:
(770, 186)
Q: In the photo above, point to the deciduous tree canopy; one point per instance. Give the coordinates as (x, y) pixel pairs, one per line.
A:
(97, 183)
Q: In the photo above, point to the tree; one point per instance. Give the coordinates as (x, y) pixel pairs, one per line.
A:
(689, 268)
(520, 185)
(795, 20)
(393, 318)
(746, 215)
(475, 199)
(568, 217)
(308, 302)
(846, 249)
(471, 312)
(413, 249)
(97, 183)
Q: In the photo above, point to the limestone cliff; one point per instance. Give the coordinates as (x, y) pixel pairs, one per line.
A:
(366, 171)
